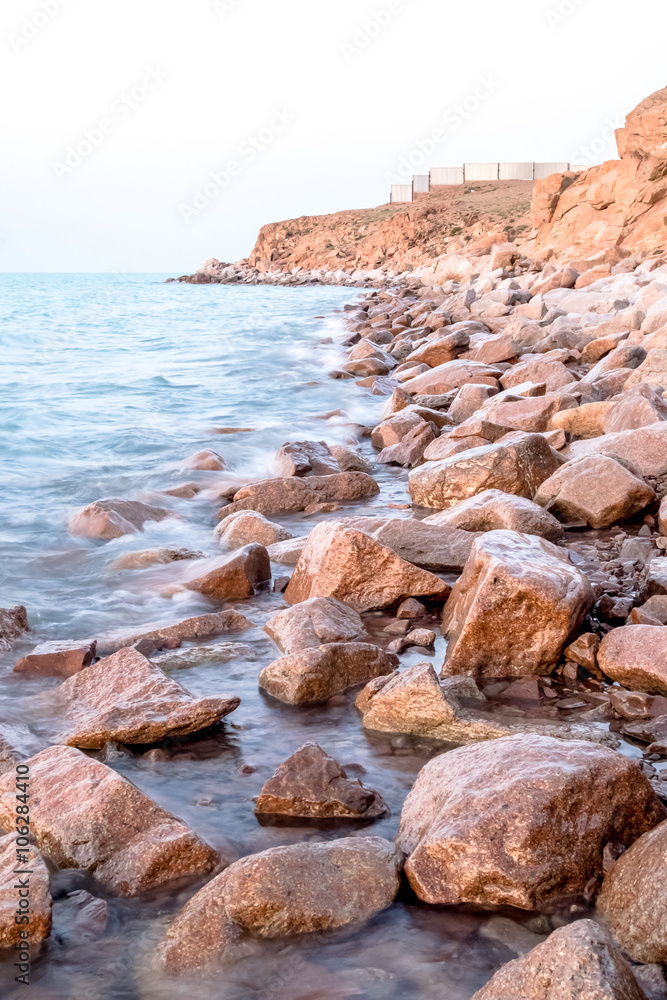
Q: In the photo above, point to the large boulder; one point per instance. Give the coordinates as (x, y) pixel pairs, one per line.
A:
(652, 371)
(312, 676)
(514, 607)
(23, 937)
(107, 519)
(492, 823)
(306, 458)
(633, 900)
(451, 375)
(519, 466)
(57, 659)
(348, 564)
(431, 546)
(644, 448)
(125, 697)
(294, 494)
(576, 962)
(492, 510)
(597, 489)
(232, 577)
(313, 785)
(299, 889)
(13, 625)
(248, 526)
(85, 815)
(172, 635)
(636, 657)
(553, 373)
(638, 407)
(315, 622)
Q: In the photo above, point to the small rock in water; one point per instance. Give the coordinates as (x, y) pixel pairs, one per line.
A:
(13, 624)
(313, 623)
(306, 458)
(411, 609)
(107, 519)
(205, 461)
(139, 560)
(249, 526)
(312, 676)
(57, 659)
(80, 917)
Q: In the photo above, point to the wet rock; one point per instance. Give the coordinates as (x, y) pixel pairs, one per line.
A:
(107, 519)
(300, 889)
(235, 576)
(249, 526)
(348, 564)
(410, 450)
(435, 548)
(57, 659)
(596, 489)
(9, 756)
(350, 460)
(312, 784)
(125, 697)
(422, 637)
(306, 458)
(514, 608)
(152, 557)
(492, 510)
(511, 934)
(315, 622)
(170, 636)
(294, 494)
(519, 467)
(491, 824)
(576, 961)
(644, 448)
(220, 652)
(636, 657)
(12, 934)
(80, 917)
(287, 553)
(13, 624)
(637, 704)
(583, 651)
(312, 676)
(85, 815)
(410, 609)
(205, 461)
(651, 979)
(396, 428)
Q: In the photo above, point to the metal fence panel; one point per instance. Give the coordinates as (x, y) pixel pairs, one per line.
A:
(516, 171)
(401, 192)
(421, 184)
(446, 175)
(481, 171)
(543, 170)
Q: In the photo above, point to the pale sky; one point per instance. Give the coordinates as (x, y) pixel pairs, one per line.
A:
(300, 107)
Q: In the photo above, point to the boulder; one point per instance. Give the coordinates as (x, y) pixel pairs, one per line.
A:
(318, 621)
(350, 460)
(306, 458)
(299, 889)
(586, 421)
(513, 609)
(85, 815)
(492, 510)
(287, 553)
(233, 577)
(395, 428)
(125, 697)
(638, 407)
(577, 961)
(636, 657)
(468, 400)
(294, 494)
(410, 451)
(503, 255)
(598, 490)
(249, 526)
(652, 370)
(451, 375)
(57, 659)
(107, 519)
(438, 549)
(644, 448)
(312, 784)
(534, 414)
(171, 636)
(205, 461)
(13, 625)
(491, 824)
(553, 373)
(440, 349)
(312, 676)
(351, 566)
(519, 466)
(24, 938)
(633, 901)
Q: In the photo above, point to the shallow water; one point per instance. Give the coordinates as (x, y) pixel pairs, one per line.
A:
(108, 383)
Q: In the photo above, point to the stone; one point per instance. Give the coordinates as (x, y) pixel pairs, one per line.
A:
(107, 519)
(451, 375)
(249, 526)
(636, 705)
(312, 676)
(503, 255)
(553, 373)
(445, 447)
(491, 824)
(410, 450)
(652, 371)
(152, 557)
(350, 460)
(517, 467)
(633, 900)
(410, 609)
(576, 961)
(583, 651)
(662, 517)
(636, 657)
(195, 656)
(233, 577)
(170, 636)
(57, 659)
(513, 609)
(586, 421)
(430, 546)
(312, 623)
(468, 400)
(598, 490)
(306, 458)
(535, 414)
(440, 349)
(126, 698)
(287, 553)
(39, 926)
(395, 428)
(13, 625)
(85, 815)
(492, 510)
(298, 889)
(348, 564)
(638, 407)
(644, 448)
(294, 494)
(312, 784)
(205, 461)
(81, 917)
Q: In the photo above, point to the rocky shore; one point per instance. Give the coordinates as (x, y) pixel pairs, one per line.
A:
(521, 402)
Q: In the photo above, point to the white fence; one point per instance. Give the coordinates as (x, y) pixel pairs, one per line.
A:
(474, 173)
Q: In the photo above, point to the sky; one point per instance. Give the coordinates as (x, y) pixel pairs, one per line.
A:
(151, 135)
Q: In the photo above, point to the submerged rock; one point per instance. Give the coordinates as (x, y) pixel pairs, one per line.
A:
(171, 636)
(317, 621)
(85, 815)
(312, 784)
(107, 519)
(491, 823)
(596, 489)
(235, 576)
(314, 675)
(221, 652)
(294, 494)
(151, 557)
(12, 934)
(493, 510)
(13, 625)
(57, 659)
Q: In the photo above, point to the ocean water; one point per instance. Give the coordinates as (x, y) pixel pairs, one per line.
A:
(108, 383)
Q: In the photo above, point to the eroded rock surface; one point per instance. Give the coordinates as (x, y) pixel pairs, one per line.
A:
(171, 636)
